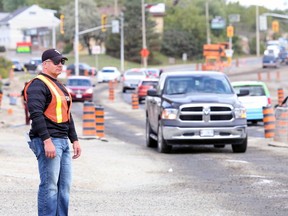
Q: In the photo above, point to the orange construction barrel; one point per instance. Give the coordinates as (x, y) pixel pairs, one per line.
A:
(281, 126)
(135, 101)
(89, 128)
(99, 121)
(269, 121)
(280, 94)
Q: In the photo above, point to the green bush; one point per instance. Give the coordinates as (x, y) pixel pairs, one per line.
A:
(68, 48)
(5, 66)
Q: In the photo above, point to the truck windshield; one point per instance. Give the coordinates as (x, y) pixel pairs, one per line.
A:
(197, 84)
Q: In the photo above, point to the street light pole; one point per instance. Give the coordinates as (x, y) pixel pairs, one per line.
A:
(144, 46)
(122, 41)
(207, 22)
(76, 39)
(115, 8)
(257, 32)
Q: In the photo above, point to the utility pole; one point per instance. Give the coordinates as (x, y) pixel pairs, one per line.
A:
(207, 22)
(122, 41)
(76, 39)
(116, 8)
(144, 46)
(257, 32)
(53, 36)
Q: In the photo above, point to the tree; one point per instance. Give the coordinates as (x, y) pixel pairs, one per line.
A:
(88, 18)
(51, 4)
(10, 6)
(184, 31)
(133, 35)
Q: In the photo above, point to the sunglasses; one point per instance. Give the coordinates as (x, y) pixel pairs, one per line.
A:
(57, 62)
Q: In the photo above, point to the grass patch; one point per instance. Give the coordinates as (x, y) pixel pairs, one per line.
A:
(105, 60)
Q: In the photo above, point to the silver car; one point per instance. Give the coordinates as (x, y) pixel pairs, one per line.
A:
(132, 77)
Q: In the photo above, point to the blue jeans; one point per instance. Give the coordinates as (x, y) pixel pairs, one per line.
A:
(55, 177)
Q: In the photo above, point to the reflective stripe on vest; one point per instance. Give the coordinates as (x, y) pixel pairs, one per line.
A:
(58, 97)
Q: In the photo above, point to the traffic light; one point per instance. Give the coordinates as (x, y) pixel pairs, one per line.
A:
(230, 31)
(62, 24)
(103, 22)
(275, 26)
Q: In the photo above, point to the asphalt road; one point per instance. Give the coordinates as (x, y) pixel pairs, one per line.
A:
(206, 180)
(120, 176)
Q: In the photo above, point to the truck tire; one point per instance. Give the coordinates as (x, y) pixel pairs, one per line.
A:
(150, 142)
(162, 146)
(240, 148)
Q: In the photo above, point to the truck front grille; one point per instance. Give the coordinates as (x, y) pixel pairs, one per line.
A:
(206, 112)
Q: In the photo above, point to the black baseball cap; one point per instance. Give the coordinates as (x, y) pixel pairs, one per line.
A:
(53, 55)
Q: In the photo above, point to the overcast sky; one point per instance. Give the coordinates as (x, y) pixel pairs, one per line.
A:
(270, 4)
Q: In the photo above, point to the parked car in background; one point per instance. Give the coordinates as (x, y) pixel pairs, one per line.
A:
(108, 73)
(270, 61)
(144, 85)
(63, 75)
(17, 66)
(257, 98)
(282, 54)
(152, 72)
(80, 88)
(132, 77)
(32, 64)
(83, 69)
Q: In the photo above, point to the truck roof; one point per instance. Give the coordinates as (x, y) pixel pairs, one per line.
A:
(185, 73)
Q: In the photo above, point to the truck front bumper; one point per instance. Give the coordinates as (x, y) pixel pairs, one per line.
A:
(213, 135)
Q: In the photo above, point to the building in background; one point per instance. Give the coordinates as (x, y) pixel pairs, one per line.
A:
(28, 24)
(157, 12)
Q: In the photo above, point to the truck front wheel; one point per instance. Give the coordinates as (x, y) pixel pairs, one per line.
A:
(150, 142)
(162, 144)
(240, 148)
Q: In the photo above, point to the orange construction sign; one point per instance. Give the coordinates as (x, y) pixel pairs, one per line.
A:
(213, 50)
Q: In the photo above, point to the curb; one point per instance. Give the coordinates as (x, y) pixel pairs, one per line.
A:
(277, 144)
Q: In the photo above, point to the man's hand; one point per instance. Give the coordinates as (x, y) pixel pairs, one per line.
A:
(50, 150)
(77, 149)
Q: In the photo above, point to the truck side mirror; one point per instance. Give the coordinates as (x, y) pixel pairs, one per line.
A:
(152, 92)
(243, 92)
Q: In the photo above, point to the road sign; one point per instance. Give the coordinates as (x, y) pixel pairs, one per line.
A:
(230, 31)
(96, 50)
(115, 26)
(218, 23)
(234, 18)
(262, 23)
(144, 52)
(213, 50)
(229, 52)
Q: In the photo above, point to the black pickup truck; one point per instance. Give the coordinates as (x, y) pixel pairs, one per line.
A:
(194, 108)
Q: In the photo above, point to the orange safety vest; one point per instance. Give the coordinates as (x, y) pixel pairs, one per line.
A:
(58, 110)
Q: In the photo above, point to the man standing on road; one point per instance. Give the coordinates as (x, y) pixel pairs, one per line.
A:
(52, 126)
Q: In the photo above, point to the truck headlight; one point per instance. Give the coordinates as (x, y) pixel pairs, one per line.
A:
(240, 112)
(169, 114)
